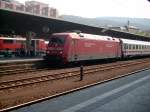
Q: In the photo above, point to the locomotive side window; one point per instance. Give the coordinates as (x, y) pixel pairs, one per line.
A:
(8, 41)
(19, 41)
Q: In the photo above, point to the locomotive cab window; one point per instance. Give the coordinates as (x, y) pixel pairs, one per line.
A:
(57, 40)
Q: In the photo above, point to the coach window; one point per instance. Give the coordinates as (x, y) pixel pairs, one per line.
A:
(18, 41)
(136, 46)
(133, 46)
(8, 41)
(142, 46)
(139, 46)
(129, 46)
(125, 46)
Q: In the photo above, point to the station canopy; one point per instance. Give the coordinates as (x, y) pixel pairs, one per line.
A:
(20, 23)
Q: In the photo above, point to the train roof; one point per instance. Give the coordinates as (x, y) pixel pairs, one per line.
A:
(38, 39)
(99, 37)
(136, 42)
(89, 36)
(9, 38)
(46, 42)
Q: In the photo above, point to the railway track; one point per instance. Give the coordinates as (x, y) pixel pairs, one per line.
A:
(23, 67)
(51, 77)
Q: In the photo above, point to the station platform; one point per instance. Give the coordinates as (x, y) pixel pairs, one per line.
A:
(127, 94)
(13, 60)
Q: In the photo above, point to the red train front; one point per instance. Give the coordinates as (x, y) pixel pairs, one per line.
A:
(72, 47)
(56, 49)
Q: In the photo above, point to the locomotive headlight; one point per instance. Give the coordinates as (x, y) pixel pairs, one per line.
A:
(55, 49)
(60, 52)
(47, 51)
(59, 49)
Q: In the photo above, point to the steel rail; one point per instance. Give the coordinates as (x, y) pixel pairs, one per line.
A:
(69, 91)
(57, 76)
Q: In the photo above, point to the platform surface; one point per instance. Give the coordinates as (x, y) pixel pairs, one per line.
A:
(11, 60)
(128, 94)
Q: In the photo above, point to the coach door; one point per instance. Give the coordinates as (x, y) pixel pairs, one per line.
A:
(34, 45)
(74, 50)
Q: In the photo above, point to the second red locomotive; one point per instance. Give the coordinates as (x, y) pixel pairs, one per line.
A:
(17, 46)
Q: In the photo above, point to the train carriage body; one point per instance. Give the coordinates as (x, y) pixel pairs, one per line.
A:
(72, 47)
(132, 48)
(38, 46)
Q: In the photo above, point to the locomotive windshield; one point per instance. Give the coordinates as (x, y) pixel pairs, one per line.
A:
(57, 40)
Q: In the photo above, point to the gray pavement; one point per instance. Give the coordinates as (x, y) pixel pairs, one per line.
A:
(128, 94)
(12, 60)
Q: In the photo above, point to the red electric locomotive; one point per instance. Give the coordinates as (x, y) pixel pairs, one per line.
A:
(72, 47)
(17, 46)
(10, 46)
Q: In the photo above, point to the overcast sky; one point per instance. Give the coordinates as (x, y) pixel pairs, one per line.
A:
(100, 8)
